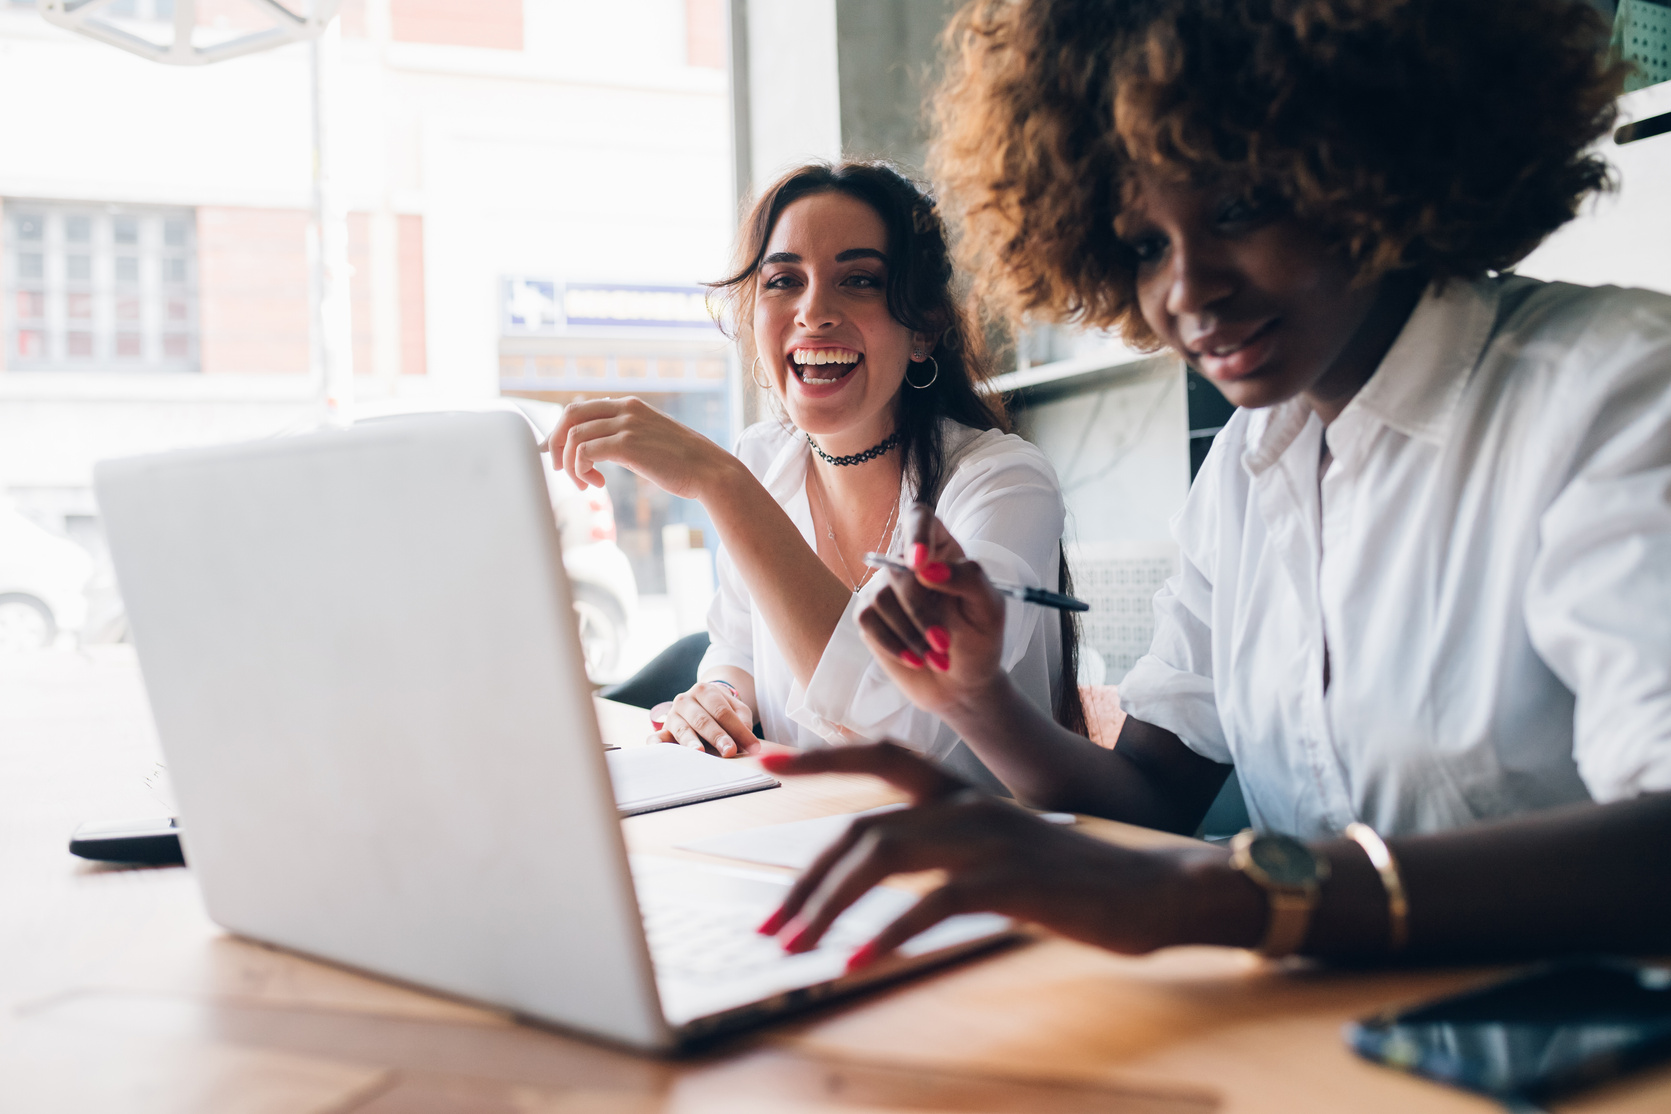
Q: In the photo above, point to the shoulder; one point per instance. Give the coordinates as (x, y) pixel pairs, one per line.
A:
(1575, 363)
(1561, 327)
(979, 457)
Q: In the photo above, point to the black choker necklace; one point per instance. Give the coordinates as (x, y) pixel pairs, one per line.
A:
(857, 458)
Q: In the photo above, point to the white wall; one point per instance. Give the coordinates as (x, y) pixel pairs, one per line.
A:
(1624, 238)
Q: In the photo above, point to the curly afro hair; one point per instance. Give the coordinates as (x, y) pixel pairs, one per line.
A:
(1445, 136)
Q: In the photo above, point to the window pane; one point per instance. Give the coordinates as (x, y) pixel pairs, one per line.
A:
(177, 310)
(31, 305)
(29, 227)
(78, 306)
(79, 344)
(31, 343)
(127, 308)
(78, 230)
(174, 270)
(127, 269)
(79, 268)
(30, 265)
(127, 230)
(174, 233)
(127, 345)
(174, 346)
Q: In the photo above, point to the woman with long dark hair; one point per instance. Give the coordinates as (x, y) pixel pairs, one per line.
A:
(842, 300)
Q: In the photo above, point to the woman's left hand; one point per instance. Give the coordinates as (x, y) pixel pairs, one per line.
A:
(634, 434)
(938, 632)
(710, 716)
(997, 857)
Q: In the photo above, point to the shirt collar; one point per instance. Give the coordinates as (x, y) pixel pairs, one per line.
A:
(1419, 382)
(1421, 378)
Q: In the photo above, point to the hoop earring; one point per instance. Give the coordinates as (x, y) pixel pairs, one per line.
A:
(752, 368)
(931, 378)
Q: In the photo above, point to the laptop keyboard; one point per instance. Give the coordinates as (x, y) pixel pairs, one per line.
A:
(703, 942)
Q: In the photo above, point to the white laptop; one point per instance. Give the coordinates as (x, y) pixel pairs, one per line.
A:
(363, 664)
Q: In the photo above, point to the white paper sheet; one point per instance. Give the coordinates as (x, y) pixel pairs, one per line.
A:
(797, 843)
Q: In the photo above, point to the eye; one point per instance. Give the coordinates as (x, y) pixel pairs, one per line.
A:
(783, 280)
(1145, 248)
(864, 281)
(1247, 208)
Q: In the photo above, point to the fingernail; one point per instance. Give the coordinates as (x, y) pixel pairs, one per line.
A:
(798, 941)
(938, 638)
(863, 956)
(771, 924)
(936, 572)
(910, 659)
(919, 554)
(939, 661)
(726, 747)
(777, 763)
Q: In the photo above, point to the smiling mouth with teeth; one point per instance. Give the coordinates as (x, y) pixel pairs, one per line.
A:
(841, 362)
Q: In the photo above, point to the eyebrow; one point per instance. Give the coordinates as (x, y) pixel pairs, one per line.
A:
(843, 257)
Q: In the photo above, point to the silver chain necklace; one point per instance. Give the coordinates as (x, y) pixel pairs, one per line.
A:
(829, 532)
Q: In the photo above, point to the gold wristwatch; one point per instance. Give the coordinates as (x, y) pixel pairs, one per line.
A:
(1292, 876)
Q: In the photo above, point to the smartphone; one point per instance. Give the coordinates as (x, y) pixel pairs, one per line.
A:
(156, 842)
(1555, 1028)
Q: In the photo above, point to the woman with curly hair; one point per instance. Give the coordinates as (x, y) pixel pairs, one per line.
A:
(1424, 598)
(842, 296)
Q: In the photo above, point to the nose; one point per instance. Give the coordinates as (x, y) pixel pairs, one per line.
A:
(816, 309)
(1197, 279)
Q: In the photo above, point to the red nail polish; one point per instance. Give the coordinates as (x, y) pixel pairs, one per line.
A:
(936, 572)
(770, 926)
(798, 942)
(919, 554)
(938, 638)
(863, 956)
(777, 763)
(939, 661)
(910, 659)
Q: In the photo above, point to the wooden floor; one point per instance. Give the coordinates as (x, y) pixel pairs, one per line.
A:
(118, 995)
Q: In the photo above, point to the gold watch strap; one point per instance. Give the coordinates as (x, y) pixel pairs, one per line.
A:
(1290, 917)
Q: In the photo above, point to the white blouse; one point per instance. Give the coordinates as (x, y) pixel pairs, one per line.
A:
(1002, 503)
(1487, 565)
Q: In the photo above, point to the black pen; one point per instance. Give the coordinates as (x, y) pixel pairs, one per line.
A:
(1013, 591)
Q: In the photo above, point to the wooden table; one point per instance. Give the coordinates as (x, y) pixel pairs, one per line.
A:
(118, 995)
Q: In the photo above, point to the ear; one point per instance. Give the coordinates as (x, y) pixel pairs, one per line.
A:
(923, 343)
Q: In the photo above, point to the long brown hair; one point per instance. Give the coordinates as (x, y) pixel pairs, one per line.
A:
(921, 296)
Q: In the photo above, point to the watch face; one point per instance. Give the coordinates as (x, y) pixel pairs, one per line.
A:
(1286, 861)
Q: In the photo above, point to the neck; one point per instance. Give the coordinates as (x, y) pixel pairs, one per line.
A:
(1394, 302)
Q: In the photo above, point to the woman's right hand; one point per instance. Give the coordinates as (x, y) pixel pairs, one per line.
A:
(939, 632)
(710, 716)
(632, 433)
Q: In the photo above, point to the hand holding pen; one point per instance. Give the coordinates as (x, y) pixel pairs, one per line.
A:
(1003, 588)
(937, 625)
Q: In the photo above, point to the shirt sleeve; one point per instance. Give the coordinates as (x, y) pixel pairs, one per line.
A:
(731, 614)
(1004, 507)
(1598, 597)
(1172, 685)
(730, 621)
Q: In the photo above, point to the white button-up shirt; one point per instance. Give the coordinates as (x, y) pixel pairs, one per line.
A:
(1486, 563)
(1003, 504)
